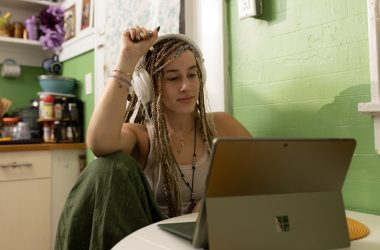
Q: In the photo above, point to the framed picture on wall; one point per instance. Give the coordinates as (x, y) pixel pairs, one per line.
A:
(69, 24)
(86, 17)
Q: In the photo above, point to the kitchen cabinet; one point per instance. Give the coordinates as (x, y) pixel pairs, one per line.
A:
(24, 52)
(34, 185)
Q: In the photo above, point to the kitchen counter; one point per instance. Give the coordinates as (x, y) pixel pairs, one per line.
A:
(41, 146)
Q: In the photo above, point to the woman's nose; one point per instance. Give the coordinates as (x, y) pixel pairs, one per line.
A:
(184, 85)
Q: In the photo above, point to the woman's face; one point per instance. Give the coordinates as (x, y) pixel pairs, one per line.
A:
(180, 88)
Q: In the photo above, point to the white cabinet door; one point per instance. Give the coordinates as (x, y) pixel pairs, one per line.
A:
(25, 203)
(65, 171)
(34, 186)
(25, 214)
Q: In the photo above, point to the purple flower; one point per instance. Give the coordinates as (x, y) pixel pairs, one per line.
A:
(57, 12)
(52, 39)
(51, 26)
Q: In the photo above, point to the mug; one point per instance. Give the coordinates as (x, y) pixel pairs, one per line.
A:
(10, 69)
(52, 65)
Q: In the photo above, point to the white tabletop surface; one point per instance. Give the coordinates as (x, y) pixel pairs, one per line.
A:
(152, 237)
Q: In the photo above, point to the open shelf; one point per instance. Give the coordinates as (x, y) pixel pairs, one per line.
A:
(18, 42)
(24, 52)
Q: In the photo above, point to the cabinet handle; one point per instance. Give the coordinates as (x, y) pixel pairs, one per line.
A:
(15, 165)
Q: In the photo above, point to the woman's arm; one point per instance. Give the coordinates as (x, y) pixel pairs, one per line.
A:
(105, 134)
(228, 126)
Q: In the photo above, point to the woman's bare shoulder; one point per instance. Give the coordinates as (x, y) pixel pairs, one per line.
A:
(226, 125)
(134, 135)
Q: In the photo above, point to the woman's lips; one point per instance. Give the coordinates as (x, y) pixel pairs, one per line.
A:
(185, 99)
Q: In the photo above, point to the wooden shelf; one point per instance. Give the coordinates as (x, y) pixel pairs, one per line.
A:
(52, 120)
(46, 120)
(24, 52)
(18, 42)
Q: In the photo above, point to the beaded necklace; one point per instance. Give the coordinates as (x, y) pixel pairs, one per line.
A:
(192, 204)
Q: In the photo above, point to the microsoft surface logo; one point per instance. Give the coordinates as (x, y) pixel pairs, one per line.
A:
(282, 223)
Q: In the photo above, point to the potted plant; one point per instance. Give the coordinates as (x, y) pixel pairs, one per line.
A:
(4, 24)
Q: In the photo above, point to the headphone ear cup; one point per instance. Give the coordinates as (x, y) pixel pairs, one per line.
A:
(203, 71)
(142, 85)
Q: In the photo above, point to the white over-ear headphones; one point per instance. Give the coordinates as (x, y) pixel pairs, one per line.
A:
(185, 38)
(142, 83)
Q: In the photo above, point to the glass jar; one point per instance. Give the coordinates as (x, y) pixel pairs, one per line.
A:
(18, 30)
(22, 131)
(10, 127)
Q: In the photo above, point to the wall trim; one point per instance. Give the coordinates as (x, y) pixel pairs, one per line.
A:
(84, 42)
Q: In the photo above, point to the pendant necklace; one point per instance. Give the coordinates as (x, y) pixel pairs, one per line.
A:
(178, 142)
(181, 142)
(191, 205)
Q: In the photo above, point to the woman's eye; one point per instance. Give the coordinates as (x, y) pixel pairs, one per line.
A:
(172, 78)
(192, 75)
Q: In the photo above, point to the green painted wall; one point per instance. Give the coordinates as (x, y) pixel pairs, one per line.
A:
(23, 89)
(77, 68)
(300, 71)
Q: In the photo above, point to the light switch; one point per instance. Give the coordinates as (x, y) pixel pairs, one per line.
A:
(88, 83)
(250, 8)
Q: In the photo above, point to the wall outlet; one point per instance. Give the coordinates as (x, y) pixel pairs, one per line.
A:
(250, 8)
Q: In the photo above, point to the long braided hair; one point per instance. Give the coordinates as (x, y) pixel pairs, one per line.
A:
(164, 52)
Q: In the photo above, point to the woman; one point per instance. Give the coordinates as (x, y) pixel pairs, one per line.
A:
(167, 135)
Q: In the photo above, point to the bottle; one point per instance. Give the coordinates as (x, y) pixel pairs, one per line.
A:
(73, 111)
(41, 107)
(48, 109)
(58, 109)
(69, 133)
(46, 132)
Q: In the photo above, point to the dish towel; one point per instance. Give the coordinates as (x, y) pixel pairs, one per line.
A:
(111, 199)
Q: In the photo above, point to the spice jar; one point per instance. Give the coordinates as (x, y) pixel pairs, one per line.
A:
(48, 107)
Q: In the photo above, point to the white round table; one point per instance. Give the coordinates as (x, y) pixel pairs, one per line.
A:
(153, 238)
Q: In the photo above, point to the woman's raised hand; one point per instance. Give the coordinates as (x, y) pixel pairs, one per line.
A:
(135, 42)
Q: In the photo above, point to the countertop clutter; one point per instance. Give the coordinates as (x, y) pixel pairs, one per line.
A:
(50, 118)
